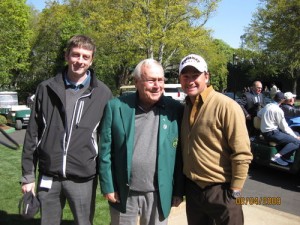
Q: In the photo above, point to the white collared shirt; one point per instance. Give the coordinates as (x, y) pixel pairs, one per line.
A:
(272, 118)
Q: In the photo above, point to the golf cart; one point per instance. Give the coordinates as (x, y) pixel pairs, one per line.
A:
(263, 150)
(16, 115)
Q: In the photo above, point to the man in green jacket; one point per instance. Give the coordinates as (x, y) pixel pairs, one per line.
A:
(140, 159)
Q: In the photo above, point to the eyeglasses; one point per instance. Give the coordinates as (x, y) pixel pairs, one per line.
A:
(152, 81)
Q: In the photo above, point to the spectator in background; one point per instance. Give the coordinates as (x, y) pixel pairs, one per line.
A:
(275, 128)
(288, 106)
(251, 102)
(273, 90)
(266, 89)
(140, 158)
(62, 136)
(30, 100)
(245, 89)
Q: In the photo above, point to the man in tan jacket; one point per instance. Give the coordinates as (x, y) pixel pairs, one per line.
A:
(216, 149)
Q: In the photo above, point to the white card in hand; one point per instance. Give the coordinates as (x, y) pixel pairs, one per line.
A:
(46, 182)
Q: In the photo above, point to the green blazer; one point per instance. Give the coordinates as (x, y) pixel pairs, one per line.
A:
(116, 149)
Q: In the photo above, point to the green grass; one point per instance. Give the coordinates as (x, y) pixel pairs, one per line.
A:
(10, 194)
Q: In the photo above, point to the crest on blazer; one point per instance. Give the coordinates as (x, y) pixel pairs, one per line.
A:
(175, 143)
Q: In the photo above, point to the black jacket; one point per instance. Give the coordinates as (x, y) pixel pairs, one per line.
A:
(249, 103)
(290, 111)
(59, 154)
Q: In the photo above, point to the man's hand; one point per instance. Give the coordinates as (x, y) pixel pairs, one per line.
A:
(176, 201)
(112, 197)
(28, 187)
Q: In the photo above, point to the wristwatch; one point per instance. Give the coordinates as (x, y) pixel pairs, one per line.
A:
(235, 193)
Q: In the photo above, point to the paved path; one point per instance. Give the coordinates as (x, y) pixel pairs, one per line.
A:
(178, 216)
(17, 135)
(254, 215)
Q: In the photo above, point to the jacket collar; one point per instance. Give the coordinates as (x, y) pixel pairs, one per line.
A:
(59, 79)
(202, 97)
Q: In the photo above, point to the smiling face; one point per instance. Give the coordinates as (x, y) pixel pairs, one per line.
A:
(79, 60)
(150, 84)
(193, 82)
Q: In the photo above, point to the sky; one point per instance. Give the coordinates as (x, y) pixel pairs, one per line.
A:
(228, 22)
(230, 19)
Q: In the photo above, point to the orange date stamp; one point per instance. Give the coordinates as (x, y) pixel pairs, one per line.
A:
(258, 201)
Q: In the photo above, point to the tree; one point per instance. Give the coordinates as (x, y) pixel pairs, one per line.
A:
(55, 25)
(125, 32)
(220, 54)
(15, 41)
(274, 32)
(138, 29)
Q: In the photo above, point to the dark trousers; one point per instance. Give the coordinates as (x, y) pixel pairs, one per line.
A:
(212, 205)
(289, 143)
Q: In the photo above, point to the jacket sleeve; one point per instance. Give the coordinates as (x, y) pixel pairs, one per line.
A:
(282, 124)
(239, 142)
(105, 145)
(29, 153)
(290, 111)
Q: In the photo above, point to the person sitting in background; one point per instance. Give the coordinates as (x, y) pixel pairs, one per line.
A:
(288, 106)
(275, 128)
(251, 102)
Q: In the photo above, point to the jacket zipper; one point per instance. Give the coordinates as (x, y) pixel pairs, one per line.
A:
(78, 117)
(39, 141)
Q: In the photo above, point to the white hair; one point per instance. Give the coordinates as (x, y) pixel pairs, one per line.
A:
(138, 69)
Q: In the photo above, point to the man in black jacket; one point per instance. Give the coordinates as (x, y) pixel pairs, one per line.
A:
(251, 102)
(62, 137)
(288, 106)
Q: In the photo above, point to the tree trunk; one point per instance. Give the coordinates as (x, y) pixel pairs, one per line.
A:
(295, 85)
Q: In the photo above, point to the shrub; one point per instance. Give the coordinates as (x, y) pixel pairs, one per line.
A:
(3, 120)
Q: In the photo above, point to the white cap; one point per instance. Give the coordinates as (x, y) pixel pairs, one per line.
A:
(195, 61)
(289, 95)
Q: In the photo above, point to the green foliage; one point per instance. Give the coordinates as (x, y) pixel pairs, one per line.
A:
(3, 120)
(15, 40)
(275, 32)
(218, 64)
(55, 26)
(125, 32)
(10, 193)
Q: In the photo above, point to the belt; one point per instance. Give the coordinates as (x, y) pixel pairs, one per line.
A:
(208, 186)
